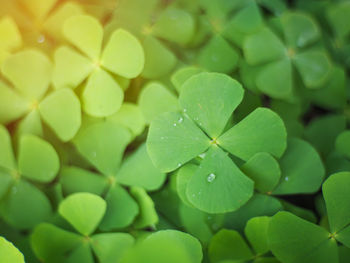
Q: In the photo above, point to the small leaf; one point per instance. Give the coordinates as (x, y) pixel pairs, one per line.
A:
(74, 179)
(51, 243)
(12, 105)
(261, 131)
(302, 169)
(263, 46)
(25, 206)
(110, 247)
(180, 76)
(183, 176)
(121, 209)
(123, 54)
(173, 140)
(264, 170)
(228, 245)
(342, 143)
(102, 95)
(175, 25)
(159, 60)
(138, 170)
(257, 234)
(7, 158)
(218, 186)
(83, 211)
(314, 67)
(129, 115)
(73, 66)
(294, 240)
(210, 99)
(155, 91)
(30, 72)
(300, 30)
(337, 197)
(9, 253)
(86, 33)
(147, 216)
(61, 111)
(218, 56)
(37, 159)
(276, 79)
(103, 145)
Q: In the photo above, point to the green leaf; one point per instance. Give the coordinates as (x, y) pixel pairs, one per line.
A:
(138, 170)
(183, 176)
(86, 33)
(261, 131)
(61, 111)
(121, 209)
(7, 158)
(228, 245)
(83, 211)
(337, 198)
(210, 99)
(12, 105)
(155, 91)
(103, 145)
(123, 54)
(73, 66)
(37, 159)
(294, 240)
(9, 253)
(30, 72)
(337, 16)
(314, 67)
(218, 186)
(30, 124)
(173, 140)
(258, 205)
(323, 131)
(263, 47)
(52, 244)
(300, 30)
(342, 143)
(276, 79)
(110, 247)
(74, 179)
(180, 76)
(25, 206)
(148, 216)
(302, 169)
(175, 25)
(256, 232)
(102, 95)
(218, 56)
(190, 244)
(159, 60)
(264, 170)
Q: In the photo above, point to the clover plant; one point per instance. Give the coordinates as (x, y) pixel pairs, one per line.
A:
(152, 131)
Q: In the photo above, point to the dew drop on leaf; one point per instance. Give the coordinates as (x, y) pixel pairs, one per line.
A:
(211, 177)
(286, 178)
(180, 120)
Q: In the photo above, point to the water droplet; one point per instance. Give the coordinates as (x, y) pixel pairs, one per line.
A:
(180, 120)
(286, 178)
(41, 39)
(196, 118)
(202, 155)
(211, 177)
(185, 110)
(174, 124)
(162, 138)
(179, 164)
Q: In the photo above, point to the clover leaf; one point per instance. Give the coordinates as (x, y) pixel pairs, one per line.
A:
(317, 244)
(208, 100)
(23, 205)
(103, 144)
(9, 253)
(30, 73)
(102, 95)
(10, 36)
(84, 212)
(277, 59)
